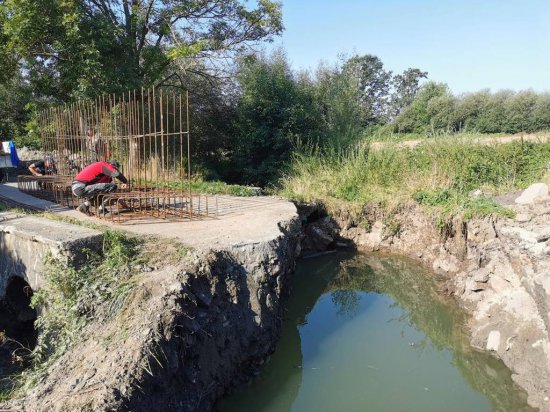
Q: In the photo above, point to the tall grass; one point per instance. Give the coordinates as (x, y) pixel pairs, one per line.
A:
(435, 173)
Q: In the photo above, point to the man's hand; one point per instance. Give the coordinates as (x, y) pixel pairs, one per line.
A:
(123, 186)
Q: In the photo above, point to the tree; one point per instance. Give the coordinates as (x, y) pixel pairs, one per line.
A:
(79, 48)
(374, 85)
(417, 117)
(339, 97)
(405, 87)
(274, 112)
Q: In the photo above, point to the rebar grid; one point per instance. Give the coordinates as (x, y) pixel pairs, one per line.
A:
(147, 132)
(52, 188)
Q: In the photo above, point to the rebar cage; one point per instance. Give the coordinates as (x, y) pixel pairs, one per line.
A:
(147, 131)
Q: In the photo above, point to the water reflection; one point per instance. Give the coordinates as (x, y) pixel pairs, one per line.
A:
(370, 332)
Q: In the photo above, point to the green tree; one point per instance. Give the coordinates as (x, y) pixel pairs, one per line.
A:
(417, 117)
(274, 112)
(518, 111)
(79, 48)
(374, 84)
(339, 97)
(405, 87)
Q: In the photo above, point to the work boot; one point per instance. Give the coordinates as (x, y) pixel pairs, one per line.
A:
(103, 209)
(84, 208)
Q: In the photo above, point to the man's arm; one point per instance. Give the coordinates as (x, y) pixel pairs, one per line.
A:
(114, 173)
(33, 170)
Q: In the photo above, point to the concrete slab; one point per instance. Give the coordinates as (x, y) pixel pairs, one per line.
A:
(25, 241)
(10, 192)
(242, 221)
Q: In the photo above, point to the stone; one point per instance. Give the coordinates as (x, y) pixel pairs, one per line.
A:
(476, 193)
(533, 193)
(523, 217)
(543, 235)
(481, 275)
(493, 341)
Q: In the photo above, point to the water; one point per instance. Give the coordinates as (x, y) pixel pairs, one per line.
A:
(371, 333)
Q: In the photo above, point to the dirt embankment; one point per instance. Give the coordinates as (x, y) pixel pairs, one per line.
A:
(498, 269)
(525, 137)
(190, 331)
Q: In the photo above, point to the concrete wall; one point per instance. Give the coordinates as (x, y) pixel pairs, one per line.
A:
(25, 241)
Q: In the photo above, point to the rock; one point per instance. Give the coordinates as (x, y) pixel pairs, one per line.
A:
(482, 275)
(523, 217)
(476, 193)
(447, 263)
(532, 193)
(319, 235)
(493, 341)
(544, 235)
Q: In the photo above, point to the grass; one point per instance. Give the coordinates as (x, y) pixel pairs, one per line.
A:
(199, 185)
(73, 297)
(439, 175)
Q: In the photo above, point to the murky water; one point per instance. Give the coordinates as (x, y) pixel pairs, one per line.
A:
(370, 333)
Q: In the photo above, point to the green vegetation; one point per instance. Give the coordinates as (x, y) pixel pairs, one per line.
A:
(72, 298)
(438, 174)
(255, 119)
(435, 111)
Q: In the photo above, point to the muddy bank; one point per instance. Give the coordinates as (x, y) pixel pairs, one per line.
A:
(497, 268)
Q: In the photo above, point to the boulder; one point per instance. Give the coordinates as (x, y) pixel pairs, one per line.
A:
(532, 193)
(493, 341)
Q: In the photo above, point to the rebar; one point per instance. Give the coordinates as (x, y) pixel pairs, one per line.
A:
(148, 132)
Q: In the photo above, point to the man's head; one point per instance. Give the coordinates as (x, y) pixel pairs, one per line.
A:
(114, 163)
(49, 162)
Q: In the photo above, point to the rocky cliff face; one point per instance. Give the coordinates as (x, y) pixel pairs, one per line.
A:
(499, 269)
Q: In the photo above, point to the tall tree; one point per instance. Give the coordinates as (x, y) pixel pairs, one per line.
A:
(274, 112)
(374, 85)
(84, 47)
(405, 87)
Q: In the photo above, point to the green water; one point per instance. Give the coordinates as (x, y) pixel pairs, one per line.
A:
(371, 333)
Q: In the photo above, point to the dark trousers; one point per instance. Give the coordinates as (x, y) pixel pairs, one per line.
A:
(82, 190)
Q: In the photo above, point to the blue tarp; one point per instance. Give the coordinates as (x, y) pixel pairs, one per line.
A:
(13, 154)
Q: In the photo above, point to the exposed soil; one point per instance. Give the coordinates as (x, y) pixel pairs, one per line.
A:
(527, 137)
(497, 268)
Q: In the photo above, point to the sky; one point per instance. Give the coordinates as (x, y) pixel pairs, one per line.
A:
(470, 45)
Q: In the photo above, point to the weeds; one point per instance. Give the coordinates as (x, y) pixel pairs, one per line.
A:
(73, 297)
(437, 174)
(212, 187)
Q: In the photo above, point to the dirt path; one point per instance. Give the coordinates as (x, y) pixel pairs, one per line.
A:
(529, 137)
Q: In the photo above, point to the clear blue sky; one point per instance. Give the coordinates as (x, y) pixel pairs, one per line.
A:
(468, 44)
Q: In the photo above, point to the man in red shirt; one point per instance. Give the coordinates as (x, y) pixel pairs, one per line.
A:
(97, 179)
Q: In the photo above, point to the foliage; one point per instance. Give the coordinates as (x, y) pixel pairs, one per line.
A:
(214, 187)
(339, 98)
(72, 297)
(436, 174)
(447, 203)
(12, 109)
(78, 48)
(436, 110)
(373, 82)
(274, 112)
(405, 86)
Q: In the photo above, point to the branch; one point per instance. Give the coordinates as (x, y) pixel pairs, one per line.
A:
(145, 27)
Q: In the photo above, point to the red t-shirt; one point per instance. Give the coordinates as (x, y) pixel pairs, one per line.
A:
(99, 172)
